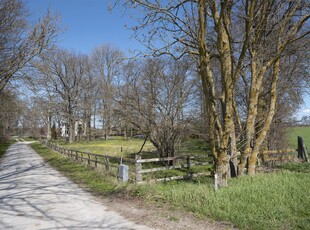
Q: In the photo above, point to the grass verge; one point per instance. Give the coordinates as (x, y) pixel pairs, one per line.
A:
(80, 174)
(5, 146)
(268, 201)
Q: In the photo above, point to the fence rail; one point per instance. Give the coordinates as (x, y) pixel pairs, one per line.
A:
(183, 164)
(108, 162)
(191, 161)
(91, 159)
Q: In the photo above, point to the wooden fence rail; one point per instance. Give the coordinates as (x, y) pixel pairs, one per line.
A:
(91, 159)
(198, 161)
(156, 165)
(108, 162)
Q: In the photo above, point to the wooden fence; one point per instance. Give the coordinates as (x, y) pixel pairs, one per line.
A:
(274, 157)
(179, 162)
(107, 163)
(140, 169)
(135, 165)
(278, 155)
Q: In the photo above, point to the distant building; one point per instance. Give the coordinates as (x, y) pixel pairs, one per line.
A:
(79, 129)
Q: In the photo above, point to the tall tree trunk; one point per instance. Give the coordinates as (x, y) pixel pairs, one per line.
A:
(272, 109)
(88, 128)
(257, 74)
(233, 153)
(49, 127)
(71, 130)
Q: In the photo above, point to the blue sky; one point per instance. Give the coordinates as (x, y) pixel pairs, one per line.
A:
(89, 24)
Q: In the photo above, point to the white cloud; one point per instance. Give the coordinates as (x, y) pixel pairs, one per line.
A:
(306, 111)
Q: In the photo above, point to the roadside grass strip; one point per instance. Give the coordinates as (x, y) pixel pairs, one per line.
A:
(266, 201)
(98, 183)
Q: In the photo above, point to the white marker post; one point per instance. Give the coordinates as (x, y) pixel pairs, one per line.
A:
(215, 182)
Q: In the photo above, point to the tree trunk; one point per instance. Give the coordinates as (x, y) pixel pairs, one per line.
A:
(267, 122)
(252, 163)
(71, 130)
(215, 127)
(88, 128)
(233, 153)
(222, 169)
(49, 128)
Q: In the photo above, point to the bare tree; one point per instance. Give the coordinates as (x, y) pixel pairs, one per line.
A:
(107, 62)
(89, 97)
(153, 96)
(10, 112)
(63, 72)
(43, 97)
(19, 42)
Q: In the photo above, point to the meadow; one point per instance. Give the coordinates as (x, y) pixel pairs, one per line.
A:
(118, 146)
(294, 132)
(114, 146)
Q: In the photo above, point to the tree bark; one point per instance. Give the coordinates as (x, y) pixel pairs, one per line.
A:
(49, 126)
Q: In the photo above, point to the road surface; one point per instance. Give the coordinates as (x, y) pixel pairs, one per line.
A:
(35, 196)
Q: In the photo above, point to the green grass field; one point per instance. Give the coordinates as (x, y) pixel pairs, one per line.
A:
(294, 132)
(115, 146)
(266, 201)
(118, 146)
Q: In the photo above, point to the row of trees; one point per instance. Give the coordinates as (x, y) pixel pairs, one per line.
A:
(20, 42)
(153, 96)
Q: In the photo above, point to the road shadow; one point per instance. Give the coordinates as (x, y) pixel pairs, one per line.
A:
(34, 196)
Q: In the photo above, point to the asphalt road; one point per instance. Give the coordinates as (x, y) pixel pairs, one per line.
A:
(35, 196)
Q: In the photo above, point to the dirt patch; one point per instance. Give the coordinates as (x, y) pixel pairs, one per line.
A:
(160, 216)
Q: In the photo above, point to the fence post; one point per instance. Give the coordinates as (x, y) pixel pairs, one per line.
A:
(107, 163)
(306, 153)
(96, 160)
(76, 155)
(138, 168)
(188, 162)
(88, 160)
(302, 150)
(300, 145)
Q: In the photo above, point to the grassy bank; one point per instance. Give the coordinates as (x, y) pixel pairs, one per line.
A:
(270, 201)
(97, 182)
(5, 146)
